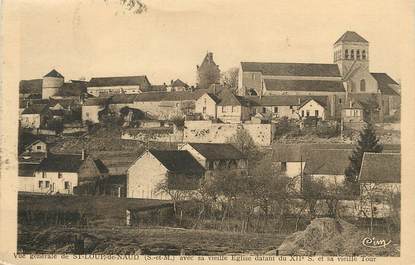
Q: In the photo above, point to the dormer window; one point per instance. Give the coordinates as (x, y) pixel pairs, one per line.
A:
(352, 54)
(358, 54)
(346, 54)
(364, 55)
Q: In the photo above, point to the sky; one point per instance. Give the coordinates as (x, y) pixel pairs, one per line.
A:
(96, 38)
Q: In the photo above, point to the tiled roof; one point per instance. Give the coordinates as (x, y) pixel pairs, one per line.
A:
(27, 170)
(159, 87)
(65, 102)
(179, 83)
(100, 165)
(227, 98)
(213, 97)
(170, 96)
(381, 168)
(54, 73)
(351, 36)
(122, 99)
(217, 151)
(327, 161)
(100, 101)
(33, 86)
(117, 162)
(322, 102)
(61, 163)
(275, 100)
(292, 69)
(178, 161)
(385, 83)
(35, 109)
(298, 152)
(72, 89)
(352, 104)
(208, 60)
(304, 85)
(31, 157)
(142, 81)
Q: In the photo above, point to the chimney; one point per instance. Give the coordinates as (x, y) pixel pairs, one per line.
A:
(350, 104)
(299, 101)
(83, 154)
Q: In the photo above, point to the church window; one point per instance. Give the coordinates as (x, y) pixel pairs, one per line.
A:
(358, 54)
(364, 55)
(346, 54)
(352, 54)
(362, 85)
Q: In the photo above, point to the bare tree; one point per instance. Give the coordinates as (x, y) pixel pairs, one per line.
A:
(229, 78)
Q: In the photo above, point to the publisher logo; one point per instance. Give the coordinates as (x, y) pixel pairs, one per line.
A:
(372, 242)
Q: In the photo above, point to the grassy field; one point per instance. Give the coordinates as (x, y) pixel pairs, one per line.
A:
(128, 240)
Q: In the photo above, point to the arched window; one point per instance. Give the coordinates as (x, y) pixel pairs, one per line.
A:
(352, 54)
(364, 55)
(358, 54)
(346, 54)
(362, 85)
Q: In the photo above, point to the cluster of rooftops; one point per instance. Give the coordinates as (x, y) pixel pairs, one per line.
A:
(318, 159)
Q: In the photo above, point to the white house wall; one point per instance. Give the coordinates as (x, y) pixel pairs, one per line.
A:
(143, 177)
(105, 90)
(56, 184)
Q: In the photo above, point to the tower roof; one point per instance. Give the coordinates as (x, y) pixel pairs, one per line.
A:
(208, 60)
(351, 36)
(54, 73)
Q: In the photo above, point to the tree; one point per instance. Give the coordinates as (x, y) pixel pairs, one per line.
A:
(243, 141)
(229, 78)
(368, 142)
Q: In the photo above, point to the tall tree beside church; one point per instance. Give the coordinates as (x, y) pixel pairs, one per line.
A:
(368, 142)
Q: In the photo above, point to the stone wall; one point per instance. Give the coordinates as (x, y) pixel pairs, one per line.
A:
(165, 135)
(209, 132)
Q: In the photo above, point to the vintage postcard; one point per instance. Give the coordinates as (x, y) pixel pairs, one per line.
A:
(187, 131)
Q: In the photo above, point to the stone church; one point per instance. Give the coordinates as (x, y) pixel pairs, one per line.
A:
(345, 80)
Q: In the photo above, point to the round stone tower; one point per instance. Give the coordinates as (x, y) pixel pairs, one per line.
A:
(51, 84)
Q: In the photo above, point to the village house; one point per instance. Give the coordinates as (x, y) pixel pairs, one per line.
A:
(104, 86)
(217, 158)
(164, 105)
(276, 106)
(169, 169)
(380, 184)
(327, 166)
(57, 173)
(207, 106)
(92, 109)
(119, 101)
(37, 146)
(35, 116)
(177, 85)
(352, 112)
(232, 108)
(313, 108)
